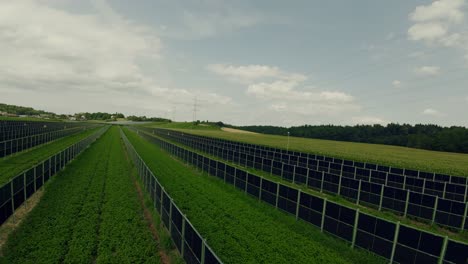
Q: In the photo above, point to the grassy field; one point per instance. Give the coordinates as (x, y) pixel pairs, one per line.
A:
(89, 213)
(433, 161)
(11, 166)
(238, 228)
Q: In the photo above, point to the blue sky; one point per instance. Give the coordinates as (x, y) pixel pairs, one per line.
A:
(243, 62)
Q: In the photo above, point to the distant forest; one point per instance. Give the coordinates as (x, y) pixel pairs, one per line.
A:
(431, 137)
(21, 110)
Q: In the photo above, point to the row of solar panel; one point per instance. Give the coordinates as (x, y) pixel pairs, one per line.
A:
(394, 241)
(19, 144)
(396, 176)
(446, 190)
(14, 193)
(188, 241)
(446, 212)
(10, 131)
(301, 158)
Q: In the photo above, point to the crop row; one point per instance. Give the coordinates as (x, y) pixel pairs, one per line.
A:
(89, 213)
(240, 229)
(13, 165)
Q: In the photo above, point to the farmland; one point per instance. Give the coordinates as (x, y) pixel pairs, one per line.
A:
(237, 227)
(89, 213)
(441, 162)
(94, 210)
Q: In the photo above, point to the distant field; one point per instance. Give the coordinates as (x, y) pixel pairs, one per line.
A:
(434, 161)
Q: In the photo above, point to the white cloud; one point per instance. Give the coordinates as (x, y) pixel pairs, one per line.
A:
(248, 72)
(282, 91)
(440, 23)
(369, 120)
(86, 61)
(431, 112)
(285, 97)
(427, 70)
(396, 83)
(39, 44)
(427, 31)
(439, 10)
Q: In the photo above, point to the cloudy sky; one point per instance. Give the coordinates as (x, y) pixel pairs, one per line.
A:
(243, 62)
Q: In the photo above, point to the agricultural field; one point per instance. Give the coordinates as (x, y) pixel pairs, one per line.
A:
(12, 165)
(237, 227)
(89, 213)
(95, 210)
(417, 159)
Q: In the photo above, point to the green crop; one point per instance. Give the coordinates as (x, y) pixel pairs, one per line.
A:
(238, 228)
(89, 213)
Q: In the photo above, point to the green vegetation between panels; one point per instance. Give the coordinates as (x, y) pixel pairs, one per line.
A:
(418, 159)
(11, 166)
(237, 227)
(89, 214)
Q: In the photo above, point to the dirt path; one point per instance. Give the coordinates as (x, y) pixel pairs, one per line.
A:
(20, 214)
(233, 130)
(165, 259)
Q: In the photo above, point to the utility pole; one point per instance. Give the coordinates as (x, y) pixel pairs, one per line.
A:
(174, 113)
(195, 109)
(288, 142)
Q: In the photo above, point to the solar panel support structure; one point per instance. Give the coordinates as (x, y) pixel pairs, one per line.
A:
(277, 193)
(203, 249)
(435, 209)
(323, 214)
(406, 203)
(355, 228)
(444, 249)
(464, 217)
(395, 241)
(298, 203)
(359, 192)
(182, 247)
(382, 187)
(321, 182)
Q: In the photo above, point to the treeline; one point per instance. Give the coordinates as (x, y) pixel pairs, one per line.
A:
(144, 118)
(21, 110)
(431, 137)
(99, 116)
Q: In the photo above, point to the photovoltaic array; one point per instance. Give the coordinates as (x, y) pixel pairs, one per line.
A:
(391, 240)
